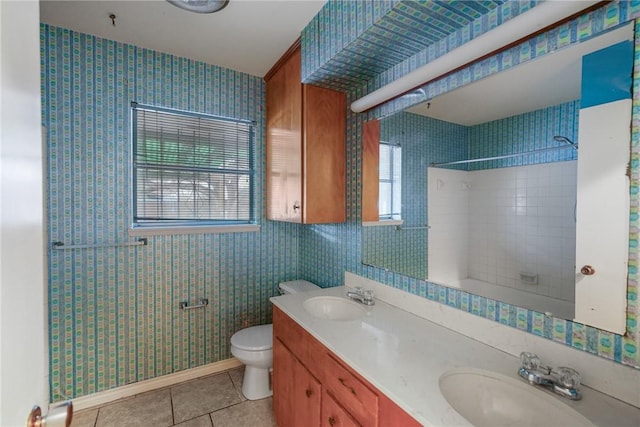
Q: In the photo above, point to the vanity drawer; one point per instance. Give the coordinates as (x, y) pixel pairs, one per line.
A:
(353, 394)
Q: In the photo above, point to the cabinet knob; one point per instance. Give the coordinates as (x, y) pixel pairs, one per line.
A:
(296, 206)
(308, 392)
(344, 383)
(588, 270)
(332, 421)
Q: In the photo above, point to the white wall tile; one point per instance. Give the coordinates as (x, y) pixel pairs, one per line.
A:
(520, 219)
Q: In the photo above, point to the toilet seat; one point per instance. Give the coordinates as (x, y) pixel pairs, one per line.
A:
(255, 338)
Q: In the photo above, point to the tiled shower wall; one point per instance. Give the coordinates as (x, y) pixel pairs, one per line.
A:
(522, 218)
(328, 250)
(522, 221)
(113, 313)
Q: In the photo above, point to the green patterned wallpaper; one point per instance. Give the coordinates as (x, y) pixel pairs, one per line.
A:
(113, 312)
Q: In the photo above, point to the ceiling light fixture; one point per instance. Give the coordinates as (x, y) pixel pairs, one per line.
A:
(200, 6)
(527, 23)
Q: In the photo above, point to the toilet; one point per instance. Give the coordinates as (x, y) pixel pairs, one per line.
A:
(254, 347)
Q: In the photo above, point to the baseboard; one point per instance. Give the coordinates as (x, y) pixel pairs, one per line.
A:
(111, 395)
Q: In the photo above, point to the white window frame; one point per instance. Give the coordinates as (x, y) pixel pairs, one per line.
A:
(396, 185)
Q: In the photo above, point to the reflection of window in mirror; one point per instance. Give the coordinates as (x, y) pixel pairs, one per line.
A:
(389, 202)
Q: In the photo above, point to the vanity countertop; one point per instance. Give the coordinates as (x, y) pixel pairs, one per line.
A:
(404, 355)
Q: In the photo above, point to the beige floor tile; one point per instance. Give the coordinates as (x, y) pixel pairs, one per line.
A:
(143, 410)
(198, 397)
(86, 418)
(264, 408)
(203, 421)
(237, 375)
(251, 413)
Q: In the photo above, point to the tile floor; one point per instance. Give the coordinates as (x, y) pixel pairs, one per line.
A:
(211, 401)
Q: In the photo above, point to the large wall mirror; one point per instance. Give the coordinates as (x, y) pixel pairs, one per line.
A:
(514, 187)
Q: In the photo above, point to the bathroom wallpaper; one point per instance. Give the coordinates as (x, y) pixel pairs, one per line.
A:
(113, 312)
(324, 259)
(113, 316)
(377, 24)
(525, 132)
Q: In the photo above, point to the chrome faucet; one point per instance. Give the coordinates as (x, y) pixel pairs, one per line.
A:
(364, 297)
(562, 380)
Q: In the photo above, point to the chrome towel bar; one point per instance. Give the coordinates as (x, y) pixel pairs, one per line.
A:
(401, 228)
(184, 305)
(61, 246)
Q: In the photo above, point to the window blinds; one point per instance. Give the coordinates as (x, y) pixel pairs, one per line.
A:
(191, 167)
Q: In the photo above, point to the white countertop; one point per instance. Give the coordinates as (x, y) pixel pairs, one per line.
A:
(404, 355)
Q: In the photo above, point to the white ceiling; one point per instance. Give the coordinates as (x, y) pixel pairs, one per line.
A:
(247, 35)
(549, 80)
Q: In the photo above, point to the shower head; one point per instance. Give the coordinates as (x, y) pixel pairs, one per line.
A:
(565, 140)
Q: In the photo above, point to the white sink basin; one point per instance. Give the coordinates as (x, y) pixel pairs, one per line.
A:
(486, 398)
(334, 308)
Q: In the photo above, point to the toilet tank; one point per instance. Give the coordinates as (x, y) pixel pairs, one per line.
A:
(295, 286)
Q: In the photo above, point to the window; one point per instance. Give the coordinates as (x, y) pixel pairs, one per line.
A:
(191, 169)
(389, 203)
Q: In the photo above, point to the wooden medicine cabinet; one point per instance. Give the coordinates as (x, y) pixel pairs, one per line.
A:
(306, 128)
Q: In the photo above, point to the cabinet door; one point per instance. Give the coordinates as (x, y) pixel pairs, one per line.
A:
(307, 397)
(299, 342)
(324, 155)
(296, 393)
(284, 142)
(283, 384)
(334, 415)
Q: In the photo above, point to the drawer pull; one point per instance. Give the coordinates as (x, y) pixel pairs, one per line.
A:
(308, 392)
(332, 421)
(343, 382)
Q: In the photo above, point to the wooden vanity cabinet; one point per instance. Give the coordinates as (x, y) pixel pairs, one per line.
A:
(312, 386)
(306, 128)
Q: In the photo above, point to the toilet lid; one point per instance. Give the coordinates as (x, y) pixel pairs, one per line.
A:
(254, 338)
(296, 286)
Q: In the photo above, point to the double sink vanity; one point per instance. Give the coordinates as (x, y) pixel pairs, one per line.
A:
(346, 363)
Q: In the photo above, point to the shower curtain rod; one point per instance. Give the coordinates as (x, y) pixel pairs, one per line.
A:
(506, 156)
